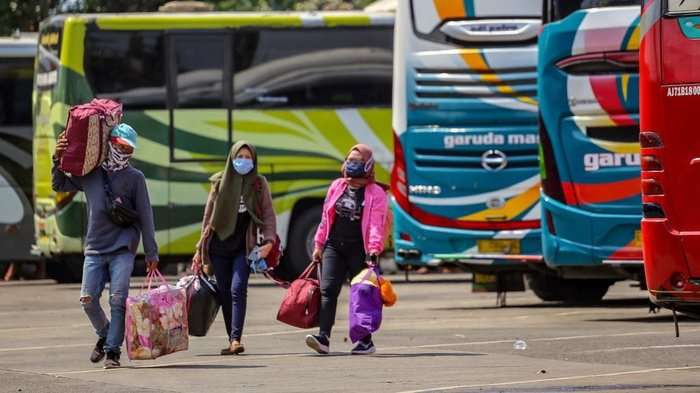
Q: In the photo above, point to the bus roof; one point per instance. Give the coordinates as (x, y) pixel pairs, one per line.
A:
(22, 46)
(218, 20)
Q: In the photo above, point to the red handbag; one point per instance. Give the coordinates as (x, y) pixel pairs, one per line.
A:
(302, 303)
(87, 131)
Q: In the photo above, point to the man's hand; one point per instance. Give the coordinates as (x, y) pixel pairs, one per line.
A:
(61, 145)
(151, 265)
(318, 255)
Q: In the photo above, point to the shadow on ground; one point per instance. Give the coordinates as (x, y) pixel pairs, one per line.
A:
(193, 367)
(612, 303)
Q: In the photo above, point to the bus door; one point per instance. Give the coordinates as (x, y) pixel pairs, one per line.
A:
(680, 155)
(199, 91)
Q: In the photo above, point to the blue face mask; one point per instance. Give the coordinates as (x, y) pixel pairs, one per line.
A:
(355, 168)
(243, 165)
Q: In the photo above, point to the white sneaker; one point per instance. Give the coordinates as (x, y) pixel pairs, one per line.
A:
(364, 348)
(319, 344)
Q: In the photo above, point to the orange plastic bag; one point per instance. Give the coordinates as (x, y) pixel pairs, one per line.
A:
(387, 290)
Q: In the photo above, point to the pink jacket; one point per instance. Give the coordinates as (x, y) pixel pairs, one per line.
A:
(374, 216)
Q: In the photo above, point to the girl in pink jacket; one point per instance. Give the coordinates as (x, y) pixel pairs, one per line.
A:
(352, 230)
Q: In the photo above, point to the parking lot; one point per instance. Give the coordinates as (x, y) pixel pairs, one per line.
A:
(439, 337)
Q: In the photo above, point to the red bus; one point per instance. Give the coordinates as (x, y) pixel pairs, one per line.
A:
(669, 102)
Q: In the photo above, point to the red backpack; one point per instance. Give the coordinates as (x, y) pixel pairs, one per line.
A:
(302, 303)
(87, 131)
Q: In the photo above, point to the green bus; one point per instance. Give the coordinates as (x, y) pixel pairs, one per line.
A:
(302, 87)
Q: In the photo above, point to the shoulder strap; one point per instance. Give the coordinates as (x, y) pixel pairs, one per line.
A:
(106, 184)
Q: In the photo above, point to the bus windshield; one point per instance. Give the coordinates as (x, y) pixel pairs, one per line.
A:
(560, 9)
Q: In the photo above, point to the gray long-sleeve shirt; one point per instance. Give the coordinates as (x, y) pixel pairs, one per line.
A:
(103, 236)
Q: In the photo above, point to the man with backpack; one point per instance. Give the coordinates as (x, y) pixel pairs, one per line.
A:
(119, 213)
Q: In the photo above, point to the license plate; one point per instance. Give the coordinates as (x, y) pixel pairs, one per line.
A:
(509, 282)
(637, 242)
(498, 246)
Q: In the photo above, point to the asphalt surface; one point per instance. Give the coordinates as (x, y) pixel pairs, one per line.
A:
(439, 337)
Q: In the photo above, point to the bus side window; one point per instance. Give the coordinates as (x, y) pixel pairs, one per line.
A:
(312, 67)
(127, 66)
(16, 91)
(200, 118)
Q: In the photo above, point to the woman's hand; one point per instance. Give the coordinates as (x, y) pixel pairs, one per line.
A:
(196, 263)
(265, 250)
(317, 255)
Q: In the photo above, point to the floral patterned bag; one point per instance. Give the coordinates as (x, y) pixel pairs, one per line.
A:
(156, 321)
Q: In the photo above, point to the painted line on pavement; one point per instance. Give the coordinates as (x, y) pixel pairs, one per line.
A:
(445, 345)
(24, 329)
(44, 347)
(37, 348)
(542, 339)
(622, 349)
(456, 344)
(571, 378)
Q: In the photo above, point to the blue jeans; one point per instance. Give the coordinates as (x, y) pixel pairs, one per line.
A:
(232, 279)
(116, 269)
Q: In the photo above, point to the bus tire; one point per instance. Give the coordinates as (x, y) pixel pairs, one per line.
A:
(66, 270)
(589, 291)
(299, 250)
(546, 286)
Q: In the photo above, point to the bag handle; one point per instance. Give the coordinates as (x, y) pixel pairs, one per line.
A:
(309, 269)
(155, 274)
(278, 282)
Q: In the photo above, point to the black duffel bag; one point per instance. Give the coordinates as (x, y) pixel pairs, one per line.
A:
(203, 303)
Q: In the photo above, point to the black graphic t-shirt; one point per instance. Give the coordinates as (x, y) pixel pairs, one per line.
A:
(347, 226)
(233, 245)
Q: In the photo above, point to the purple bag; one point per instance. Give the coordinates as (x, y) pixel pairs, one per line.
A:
(365, 304)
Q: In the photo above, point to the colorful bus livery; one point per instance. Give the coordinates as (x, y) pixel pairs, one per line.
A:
(588, 93)
(669, 81)
(465, 180)
(301, 87)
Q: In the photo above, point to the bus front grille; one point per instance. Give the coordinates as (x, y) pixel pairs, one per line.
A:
(472, 159)
(433, 83)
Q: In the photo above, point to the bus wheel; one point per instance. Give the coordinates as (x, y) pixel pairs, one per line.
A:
(546, 286)
(65, 270)
(300, 247)
(584, 291)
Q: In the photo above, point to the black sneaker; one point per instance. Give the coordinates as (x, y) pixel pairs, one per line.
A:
(98, 353)
(112, 360)
(318, 343)
(363, 348)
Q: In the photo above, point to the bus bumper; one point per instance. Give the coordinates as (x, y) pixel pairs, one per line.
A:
(672, 278)
(419, 244)
(592, 243)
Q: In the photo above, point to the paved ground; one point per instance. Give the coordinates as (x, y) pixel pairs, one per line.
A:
(439, 337)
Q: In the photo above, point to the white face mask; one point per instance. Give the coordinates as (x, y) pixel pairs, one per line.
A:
(116, 160)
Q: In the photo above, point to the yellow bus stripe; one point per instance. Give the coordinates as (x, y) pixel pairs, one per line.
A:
(448, 9)
(513, 208)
